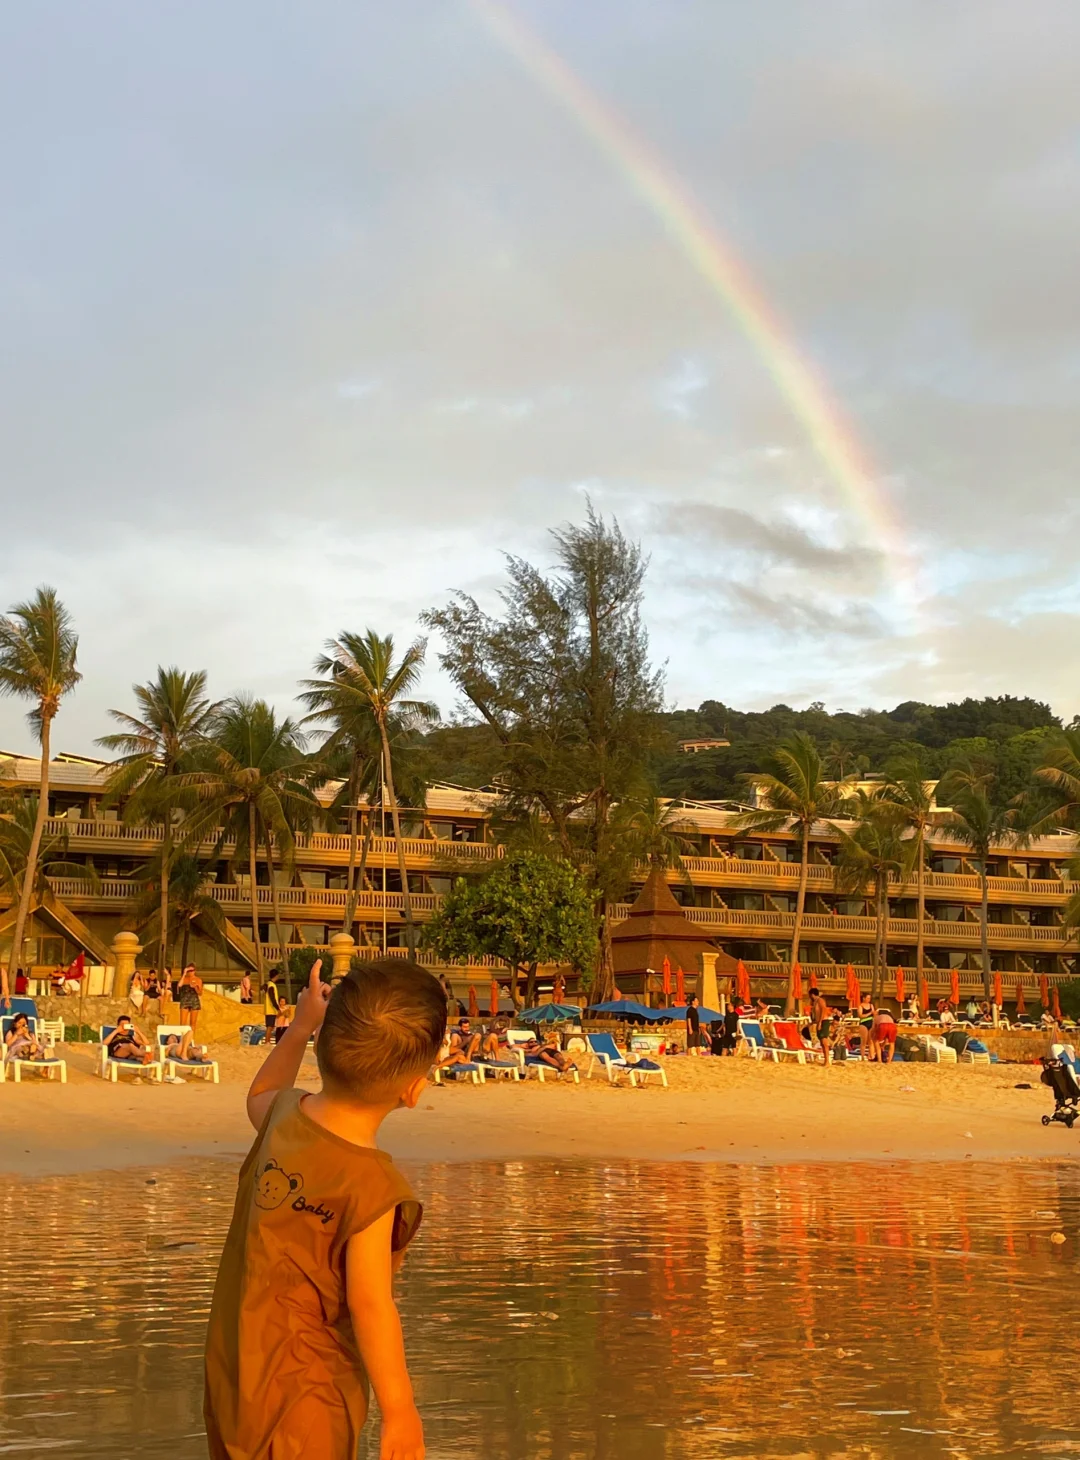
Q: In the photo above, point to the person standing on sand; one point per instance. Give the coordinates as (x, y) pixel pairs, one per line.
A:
(303, 1317)
(821, 1022)
(693, 1026)
(188, 993)
(246, 996)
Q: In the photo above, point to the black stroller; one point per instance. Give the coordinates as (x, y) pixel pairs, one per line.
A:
(1062, 1081)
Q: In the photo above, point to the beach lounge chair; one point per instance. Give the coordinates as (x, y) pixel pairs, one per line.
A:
(752, 1032)
(110, 1069)
(209, 1068)
(501, 1069)
(49, 1066)
(533, 1064)
(937, 1051)
(791, 1042)
(473, 1072)
(975, 1053)
(604, 1051)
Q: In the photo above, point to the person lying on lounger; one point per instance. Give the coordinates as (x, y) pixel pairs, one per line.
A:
(179, 1047)
(550, 1054)
(21, 1043)
(128, 1043)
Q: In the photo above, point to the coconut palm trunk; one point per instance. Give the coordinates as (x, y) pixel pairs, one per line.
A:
(253, 843)
(406, 896)
(354, 830)
(26, 892)
(984, 929)
(275, 900)
(361, 871)
(163, 912)
(883, 931)
(800, 909)
(920, 926)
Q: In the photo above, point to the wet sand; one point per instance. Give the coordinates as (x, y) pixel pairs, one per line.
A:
(714, 1110)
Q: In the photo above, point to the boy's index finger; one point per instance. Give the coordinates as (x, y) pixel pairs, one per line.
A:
(314, 976)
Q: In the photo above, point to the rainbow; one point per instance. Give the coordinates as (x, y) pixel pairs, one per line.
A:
(686, 223)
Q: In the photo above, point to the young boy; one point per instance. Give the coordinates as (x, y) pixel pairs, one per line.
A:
(303, 1315)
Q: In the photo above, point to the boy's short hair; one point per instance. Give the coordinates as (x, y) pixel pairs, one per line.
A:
(384, 1025)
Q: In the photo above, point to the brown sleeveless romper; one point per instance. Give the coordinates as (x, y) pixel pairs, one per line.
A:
(284, 1379)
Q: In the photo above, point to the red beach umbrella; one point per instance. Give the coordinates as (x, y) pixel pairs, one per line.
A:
(924, 995)
(796, 982)
(666, 969)
(1044, 990)
(680, 987)
(1021, 1007)
(474, 1005)
(1056, 1010)
(899, 985)
(742, 982)
(854, 993)
(954, 987)
(997, 990)
(494, 997)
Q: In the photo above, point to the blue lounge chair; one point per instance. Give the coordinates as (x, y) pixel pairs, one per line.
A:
(533, 1062)
(752, 1032)
(473, 1072)
(111, 1069)
(209, 1068)
(48, 1066)
(606, 1053)
(501, 1069)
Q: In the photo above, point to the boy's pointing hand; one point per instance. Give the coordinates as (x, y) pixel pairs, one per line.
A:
(311, 1005)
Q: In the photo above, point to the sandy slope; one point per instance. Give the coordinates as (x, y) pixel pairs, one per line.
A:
(715, 1110)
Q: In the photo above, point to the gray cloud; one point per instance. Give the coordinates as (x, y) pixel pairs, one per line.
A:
(257, 260)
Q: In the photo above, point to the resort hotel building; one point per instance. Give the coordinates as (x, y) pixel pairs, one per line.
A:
(739, 891)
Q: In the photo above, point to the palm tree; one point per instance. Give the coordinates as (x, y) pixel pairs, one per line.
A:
(250, 781)
(189, 900)
(979, 821)
(16, 839)
(794, 792)
(868, 857)
(154, 745)
(653, 829)
(912, 796)
(38, 650)
(360, 686)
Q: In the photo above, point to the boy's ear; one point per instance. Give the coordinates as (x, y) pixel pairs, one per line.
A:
(412, 1092)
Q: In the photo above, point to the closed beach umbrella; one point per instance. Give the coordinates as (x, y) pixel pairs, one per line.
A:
(1044, 990)
(954, 986)
(494, 996)
(997, 990)
(899, 985)
(1021, 1007)
(680, 986)
(742, 982)
(924, 995)
(1056, 1011)
(474, 1006)
(665, 968)
(796, 983)
(854, 993)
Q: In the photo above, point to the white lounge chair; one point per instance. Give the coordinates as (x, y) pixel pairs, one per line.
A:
(112, 1069)
(51, 1065)
(605, 1052)
(209, 1068)
(937, 1051)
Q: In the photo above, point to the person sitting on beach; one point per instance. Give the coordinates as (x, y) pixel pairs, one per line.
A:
(761, 1009)
(453, 1050)
(153, 987)
(22, 983)
(468, 1041)
(496, 1040)
(56, 983)
(21, 1042)
(128, 1043)
(946, 1014)
(137, 991)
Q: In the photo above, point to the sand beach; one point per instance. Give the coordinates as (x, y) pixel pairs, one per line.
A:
(715, 1110)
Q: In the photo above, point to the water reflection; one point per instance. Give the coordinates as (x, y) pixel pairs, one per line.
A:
(565, 1312)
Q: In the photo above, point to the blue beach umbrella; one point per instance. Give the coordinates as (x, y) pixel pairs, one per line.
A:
(549, 1013)
(708, 1016)
(627, 1009)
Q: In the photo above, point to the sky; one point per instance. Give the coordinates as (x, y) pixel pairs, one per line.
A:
(309, 314)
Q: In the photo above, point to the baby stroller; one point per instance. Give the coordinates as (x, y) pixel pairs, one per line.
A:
(1062, 1081)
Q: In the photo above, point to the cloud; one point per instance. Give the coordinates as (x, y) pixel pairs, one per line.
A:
(739, 533)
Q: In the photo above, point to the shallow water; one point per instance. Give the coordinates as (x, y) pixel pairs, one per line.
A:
(557, 1311)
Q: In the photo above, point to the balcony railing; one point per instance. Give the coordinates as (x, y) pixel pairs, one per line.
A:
(820, 878)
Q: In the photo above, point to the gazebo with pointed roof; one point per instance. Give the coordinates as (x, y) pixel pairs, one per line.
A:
(657, 928)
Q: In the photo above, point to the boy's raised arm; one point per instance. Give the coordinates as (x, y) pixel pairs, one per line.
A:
(369, 1268)
(279, 1069)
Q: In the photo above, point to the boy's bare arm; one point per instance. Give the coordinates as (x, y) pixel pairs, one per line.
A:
(369, 1267)
(279, 1069)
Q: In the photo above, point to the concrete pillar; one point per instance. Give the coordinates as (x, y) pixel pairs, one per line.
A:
(708, 991)
(126, 948)
(342, 950)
